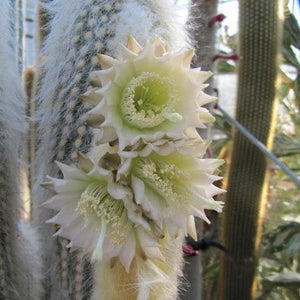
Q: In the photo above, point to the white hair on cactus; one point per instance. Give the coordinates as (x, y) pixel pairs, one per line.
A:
(19, 249)
(154, 282)
(31, 260)
(150, 17)
(147, 279)
(12, 97)
(68, 56)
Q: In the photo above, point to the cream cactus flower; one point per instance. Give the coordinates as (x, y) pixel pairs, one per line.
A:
(98, 215)
(147, 93)
(145, 177)
(172, 188)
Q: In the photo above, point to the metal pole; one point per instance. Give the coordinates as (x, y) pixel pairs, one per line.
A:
(259, 145)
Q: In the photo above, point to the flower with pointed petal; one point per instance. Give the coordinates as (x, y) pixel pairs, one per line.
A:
(98, 215)
(148, 93)
(165, 146)
(171, 188)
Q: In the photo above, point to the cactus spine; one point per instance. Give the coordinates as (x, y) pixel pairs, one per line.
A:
(258, 42)
(92, 26)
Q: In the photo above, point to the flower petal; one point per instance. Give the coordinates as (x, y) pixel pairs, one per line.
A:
(133, 45)
(106, 61)
(92, 96)
(98, 251)
(191, 228)
(85, 164)
(128, 251)
(138, 188)
(159, 47)
(71, 172)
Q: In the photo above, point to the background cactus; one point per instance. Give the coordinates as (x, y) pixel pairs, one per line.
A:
(204, 38)
(92, 26)
(259, 36)
(19, 248)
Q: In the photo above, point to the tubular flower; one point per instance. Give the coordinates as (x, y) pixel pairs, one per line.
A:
(172, 188)
(99, 215)
(147, 93)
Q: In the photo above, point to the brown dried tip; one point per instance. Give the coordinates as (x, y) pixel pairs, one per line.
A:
(85, 164)
(94, 120)
(91, 96)
(43, 20)
(47, 185)
(29, 80)
(95, 79)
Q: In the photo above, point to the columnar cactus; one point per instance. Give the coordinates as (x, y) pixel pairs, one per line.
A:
(120, 122)
(203, 32)
(204, 38)
(19, 257)
(70, 51)
(136, 191)
(259, 36)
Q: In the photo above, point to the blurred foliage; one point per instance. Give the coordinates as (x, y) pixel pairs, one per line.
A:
(279, 266)
(278, 272)
(290, 88)
(228, 46)
(223, 129)
(286, 145)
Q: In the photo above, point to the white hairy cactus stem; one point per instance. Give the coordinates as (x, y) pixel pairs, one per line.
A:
(19, 249)
(147, 279)
(92, 26)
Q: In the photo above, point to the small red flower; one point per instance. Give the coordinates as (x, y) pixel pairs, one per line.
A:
(218, 18)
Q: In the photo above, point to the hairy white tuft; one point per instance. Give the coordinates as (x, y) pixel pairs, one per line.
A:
(160, 280)
(30, 259)
(145, 19)
(12, 98)
(147, 279)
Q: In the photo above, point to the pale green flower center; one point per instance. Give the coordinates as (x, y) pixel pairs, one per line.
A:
(164, 178)
(96, 202)
(148, 100)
